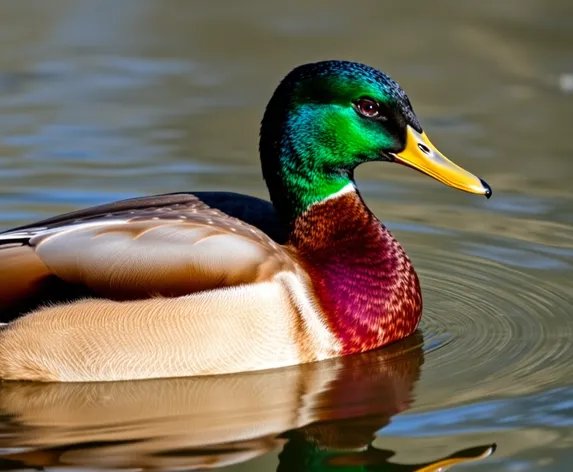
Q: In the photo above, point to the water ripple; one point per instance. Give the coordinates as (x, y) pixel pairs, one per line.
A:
(491, 330)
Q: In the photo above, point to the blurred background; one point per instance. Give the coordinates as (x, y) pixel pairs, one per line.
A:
(105, 99)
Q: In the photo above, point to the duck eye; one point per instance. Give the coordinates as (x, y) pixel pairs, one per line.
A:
(367, 108)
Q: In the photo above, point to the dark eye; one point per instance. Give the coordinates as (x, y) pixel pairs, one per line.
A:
(368, 108)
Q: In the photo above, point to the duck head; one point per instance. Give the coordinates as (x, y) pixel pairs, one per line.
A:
(326, 118)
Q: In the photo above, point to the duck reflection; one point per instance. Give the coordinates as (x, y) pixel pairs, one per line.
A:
(303, 455)
(323, 416)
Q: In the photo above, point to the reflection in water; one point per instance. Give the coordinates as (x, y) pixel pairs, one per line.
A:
(473, 329)
(335, 406)
(303, 455)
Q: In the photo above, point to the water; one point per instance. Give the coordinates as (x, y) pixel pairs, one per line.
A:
(102, 100)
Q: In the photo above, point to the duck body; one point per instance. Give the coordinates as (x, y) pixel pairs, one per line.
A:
(214, 283)
(260, 305)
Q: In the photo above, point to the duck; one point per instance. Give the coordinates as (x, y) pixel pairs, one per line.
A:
(212, 283)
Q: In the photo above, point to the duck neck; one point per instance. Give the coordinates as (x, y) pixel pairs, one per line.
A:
(362, 278)
(295, 183)
(300, 165)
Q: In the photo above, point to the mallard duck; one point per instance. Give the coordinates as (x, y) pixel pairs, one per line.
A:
(192, 284)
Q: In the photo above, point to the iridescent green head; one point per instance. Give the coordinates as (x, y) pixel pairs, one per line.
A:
(326, 118)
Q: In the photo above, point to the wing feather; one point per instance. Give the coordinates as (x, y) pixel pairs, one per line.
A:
(21, 272)
(166, 245)
(156, 257)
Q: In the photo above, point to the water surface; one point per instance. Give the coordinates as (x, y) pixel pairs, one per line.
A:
(102, 100)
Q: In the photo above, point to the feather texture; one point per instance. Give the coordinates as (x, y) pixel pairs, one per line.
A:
(362, 277)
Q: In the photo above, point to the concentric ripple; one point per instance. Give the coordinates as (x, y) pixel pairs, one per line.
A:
(490, 330)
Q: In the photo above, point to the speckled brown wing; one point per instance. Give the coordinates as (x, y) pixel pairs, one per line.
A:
(168, 245)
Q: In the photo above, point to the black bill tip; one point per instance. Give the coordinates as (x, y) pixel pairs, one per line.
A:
(488, 191)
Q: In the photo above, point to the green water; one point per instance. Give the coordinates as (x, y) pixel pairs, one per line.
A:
(107, 99)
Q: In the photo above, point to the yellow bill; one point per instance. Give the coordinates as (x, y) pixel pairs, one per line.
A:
(460, 457)
(422, 155)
